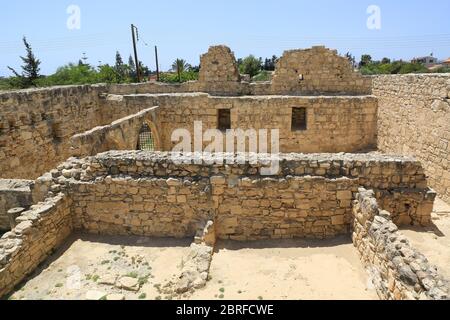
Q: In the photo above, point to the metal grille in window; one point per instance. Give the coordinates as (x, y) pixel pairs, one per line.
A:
(146, 141)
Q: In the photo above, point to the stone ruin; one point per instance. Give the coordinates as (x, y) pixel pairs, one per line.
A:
(89, 169)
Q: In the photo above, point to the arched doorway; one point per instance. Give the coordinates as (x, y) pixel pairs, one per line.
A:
(146, 141)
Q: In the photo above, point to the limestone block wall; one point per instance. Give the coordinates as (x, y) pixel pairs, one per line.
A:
(148, 206)
(282, 208)
(40, 230)
(151, 194)
(334, 124)
(36, 125)
(218, 65)
(13, 194)
(398, 271)
(317, 70)
(299, 72)
(122, 134)
(414, 119)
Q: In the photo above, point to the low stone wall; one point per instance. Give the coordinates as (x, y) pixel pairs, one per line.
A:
(398, 271)
(414, 119)
(13, 193)
(148, 206)
(40, 230)
(151, 194)
(282, 208)
(122, 134)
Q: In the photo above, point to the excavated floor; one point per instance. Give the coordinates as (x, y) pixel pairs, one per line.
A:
(96, 267)
(294, 270)
(261, 270)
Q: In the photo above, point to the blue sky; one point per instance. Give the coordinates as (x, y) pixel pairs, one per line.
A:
(185, 29)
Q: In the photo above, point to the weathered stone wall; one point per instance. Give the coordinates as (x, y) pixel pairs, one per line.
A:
(40, 230)
(120, 135)
(317, 70)
(149, 206)
(13, 193)
(334, 124)
(414, 119)
(36, 126)
(299, 72)
(310, 196)
(218, 65)
(282, 208)
(398, 271)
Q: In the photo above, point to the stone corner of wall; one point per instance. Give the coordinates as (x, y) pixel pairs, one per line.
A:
(398, 270)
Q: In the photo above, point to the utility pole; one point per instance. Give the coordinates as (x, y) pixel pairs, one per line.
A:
(138, 71)
(157, 63)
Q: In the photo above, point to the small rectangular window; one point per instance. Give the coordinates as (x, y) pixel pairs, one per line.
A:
(299, 119)
(224, 119)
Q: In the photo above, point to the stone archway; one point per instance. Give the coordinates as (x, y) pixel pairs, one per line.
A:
(148, 137)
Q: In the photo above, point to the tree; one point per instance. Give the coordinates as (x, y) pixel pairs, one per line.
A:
(351, 58)
(270, 63)
(386, 61)
(366, 59)
(120, 67)
(180, 66)
(30, 68)
(251, 66)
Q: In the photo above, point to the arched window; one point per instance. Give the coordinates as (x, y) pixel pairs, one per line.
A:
(146, 140)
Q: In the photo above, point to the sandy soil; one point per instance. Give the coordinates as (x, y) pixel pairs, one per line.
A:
(79, 268)
(434, 241)
(295, 270)
(262, 270)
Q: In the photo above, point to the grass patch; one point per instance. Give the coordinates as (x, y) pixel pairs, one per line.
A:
(132, 274)
(59, 285)
(143, 296)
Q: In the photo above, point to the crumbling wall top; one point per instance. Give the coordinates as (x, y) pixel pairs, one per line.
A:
(218, 65)
(317, 70)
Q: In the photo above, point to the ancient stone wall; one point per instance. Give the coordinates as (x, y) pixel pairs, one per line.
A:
(122, 134)
(218, 65)
(36, 125)
(414, 119)
(334, 124)
(398, 271)
(13, 194)
(317, 70)
(299, 72)
(40, 230)
(310, 196)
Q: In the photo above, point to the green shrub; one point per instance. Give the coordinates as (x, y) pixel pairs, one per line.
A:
(262, 76)
(173, 77)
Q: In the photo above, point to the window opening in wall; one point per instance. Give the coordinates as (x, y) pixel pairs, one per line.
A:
(146, 141)
(224, 119)
(299, 119)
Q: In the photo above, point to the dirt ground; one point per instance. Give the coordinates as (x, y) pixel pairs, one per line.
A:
(434, 241)
(90, 267)
(294, 270)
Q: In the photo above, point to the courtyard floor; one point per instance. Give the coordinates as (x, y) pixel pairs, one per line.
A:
(131, 268)
(294, 270)
(110, 268)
